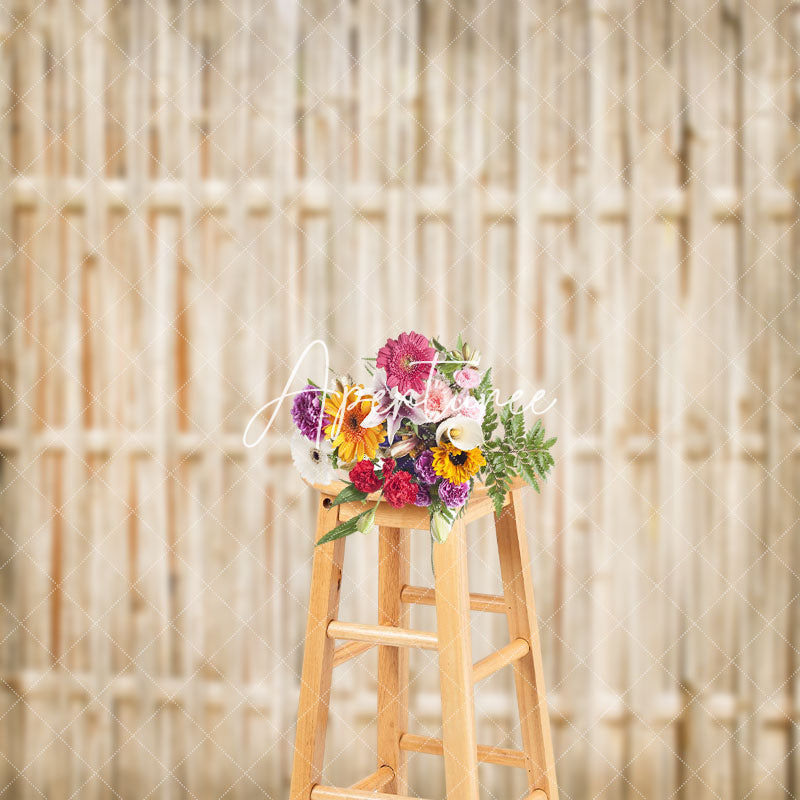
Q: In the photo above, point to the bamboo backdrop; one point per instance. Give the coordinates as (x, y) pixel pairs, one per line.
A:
(602, 195)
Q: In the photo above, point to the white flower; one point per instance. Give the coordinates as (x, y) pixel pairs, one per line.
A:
(440, 528)
(460, 431)
(312, 462)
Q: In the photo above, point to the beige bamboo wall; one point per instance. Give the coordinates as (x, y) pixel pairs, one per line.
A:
(602, 195)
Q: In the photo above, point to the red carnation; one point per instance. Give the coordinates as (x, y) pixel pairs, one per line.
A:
(387, 468)
(364, 478)
(399, 490)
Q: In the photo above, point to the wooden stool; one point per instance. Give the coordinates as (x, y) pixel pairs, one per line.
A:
(458, 674)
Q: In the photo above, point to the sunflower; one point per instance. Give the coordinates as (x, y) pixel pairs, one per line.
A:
(457, 466)
(347, 410)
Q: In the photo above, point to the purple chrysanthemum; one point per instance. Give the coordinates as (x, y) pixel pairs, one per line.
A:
(454, 495)
(307, 410)
(423, 498)
(423, 466)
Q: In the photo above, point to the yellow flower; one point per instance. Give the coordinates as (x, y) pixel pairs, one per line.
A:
(347, 410)
(457, 466)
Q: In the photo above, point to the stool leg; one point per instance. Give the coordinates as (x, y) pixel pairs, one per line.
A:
(393, 574)
(315, 685)
(512, 546)
(455, 666)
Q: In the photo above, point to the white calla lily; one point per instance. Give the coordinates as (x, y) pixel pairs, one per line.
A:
(440, 528)
(462, 432)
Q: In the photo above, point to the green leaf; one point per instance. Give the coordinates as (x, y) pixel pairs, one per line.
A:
(344, 528)
(348, 495)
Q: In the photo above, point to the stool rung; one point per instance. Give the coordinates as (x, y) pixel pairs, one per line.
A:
(377, 781)
(332, 793)
(382, 634)
(505, 655)
(350, 650)
(414, 743)
(537, 794)
(477, 602)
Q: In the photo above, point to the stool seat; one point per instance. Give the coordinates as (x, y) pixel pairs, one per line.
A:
(393, 637)
(412, 517)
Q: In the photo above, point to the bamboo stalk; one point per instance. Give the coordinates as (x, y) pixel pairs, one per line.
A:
(381, 634)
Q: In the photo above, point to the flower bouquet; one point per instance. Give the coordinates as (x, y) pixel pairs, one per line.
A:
(424, 433)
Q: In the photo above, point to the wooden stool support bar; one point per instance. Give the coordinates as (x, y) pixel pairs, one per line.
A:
(332, 793)
(393, 636)
(503, 657)
(382, 634)
(376, 782)
(477, 602)
(350, 650)
(486, 753)
(394, 564)
(512, 546)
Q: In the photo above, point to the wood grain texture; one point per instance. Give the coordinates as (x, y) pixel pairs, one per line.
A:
(386, 635)
(455, 665)
(486, 753)
(377, 781)
(506, 655)
(315, 682)
(394, 564)
(512, 548)
(333, 793)
(603, 197)
(419, 595)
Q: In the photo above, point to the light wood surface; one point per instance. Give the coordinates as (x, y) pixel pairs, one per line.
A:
(479, 490)
(315, 682)
(512, 546)
(457, 675)
(412, 517)
(489, 754)
(393, 574)
(455, 665)
(178, 223)
(501, 658)
(377, 781)
(332, 793)
(384, 635)
(477, 602)
(350, 650)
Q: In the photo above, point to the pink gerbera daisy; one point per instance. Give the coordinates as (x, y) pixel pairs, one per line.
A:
(407, 361)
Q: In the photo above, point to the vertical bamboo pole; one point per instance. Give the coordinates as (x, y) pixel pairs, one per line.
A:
(657, 135)
(10, 331)
(768, 283)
